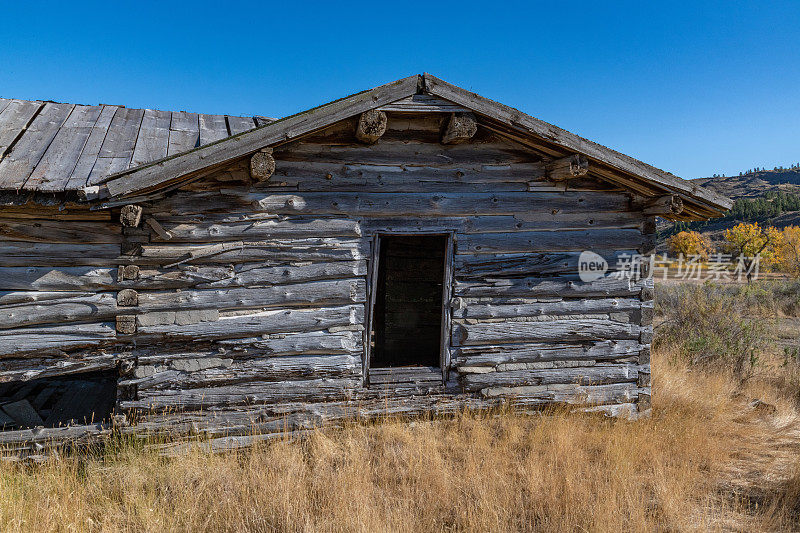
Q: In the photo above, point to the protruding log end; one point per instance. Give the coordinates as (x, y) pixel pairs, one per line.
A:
(566, 168)
(371, 126)
(461, 128)
(262, 165)
(126, 324)
(665, 206)
(127, 272)
(130, 216)
(127, 298)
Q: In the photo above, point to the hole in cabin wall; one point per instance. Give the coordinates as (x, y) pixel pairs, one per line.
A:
(73, 399)
(407, 316)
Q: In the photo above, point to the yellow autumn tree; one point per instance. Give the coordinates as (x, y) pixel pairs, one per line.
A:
(689, 243)
(789, 252)
(750, 239)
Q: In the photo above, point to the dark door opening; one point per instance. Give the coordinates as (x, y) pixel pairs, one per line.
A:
(407, 316)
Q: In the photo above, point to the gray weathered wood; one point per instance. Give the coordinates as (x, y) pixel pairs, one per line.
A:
(57, 231)
(432, 204)
(153, 138)
(423, 103)
(472, 266)
(278, 251)
(212, 128)
(248, 142)
(307, 343)
(371, 126)
(299, 228)
(24, 254)
(14, 118)
(97, 307)
(248, 393)
(592, 375)
(238, 125)
(117, 149)
(555, 330)
(534, 308)
(56, 165)
(229, 372)
(493, 355)
(532, 126)
(262, 165)
(669, 205)
(533, 287)
(567, 168)
(318, 293)
(184, 132)
(26, 153)
(551, 241)
(460, 128)
(265, 322)
(55, 339)
(91, 150)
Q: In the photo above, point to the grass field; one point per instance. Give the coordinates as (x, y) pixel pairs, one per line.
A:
(706, 460)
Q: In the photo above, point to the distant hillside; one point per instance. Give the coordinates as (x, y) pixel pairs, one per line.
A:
(754, 183)
(769, 197)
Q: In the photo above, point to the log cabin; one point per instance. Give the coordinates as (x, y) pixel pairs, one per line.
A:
(411, 248)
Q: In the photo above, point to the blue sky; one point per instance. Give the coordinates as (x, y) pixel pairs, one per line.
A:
(696, 88)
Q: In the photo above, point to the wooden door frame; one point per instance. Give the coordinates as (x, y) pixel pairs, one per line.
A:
(447, 284)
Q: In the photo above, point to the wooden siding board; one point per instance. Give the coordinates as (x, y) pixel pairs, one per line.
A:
(53, 171)
(14, 119)
(153, 137)
(17, 165)
(423, 103)
(238, 125)
(184, 132)
(118, 145)
(212, 128)
(80, 174)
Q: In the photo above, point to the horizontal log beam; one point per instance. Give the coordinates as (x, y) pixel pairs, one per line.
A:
(492, 355)
(591, 375)
(500, 309)
(533, 287)
(251, 370)
(55, 339)
(556, 330)
(318, 293)
(84, 308)
(247, 393)
(551, 241)
(266, 322)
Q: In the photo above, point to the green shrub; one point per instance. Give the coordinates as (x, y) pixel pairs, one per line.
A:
(713, 324)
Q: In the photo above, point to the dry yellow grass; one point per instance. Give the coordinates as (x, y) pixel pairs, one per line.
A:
(703, 461)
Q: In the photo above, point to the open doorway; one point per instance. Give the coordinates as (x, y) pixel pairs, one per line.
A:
(409, 292)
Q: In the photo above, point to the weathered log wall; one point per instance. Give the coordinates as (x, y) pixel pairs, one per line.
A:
(237, 296)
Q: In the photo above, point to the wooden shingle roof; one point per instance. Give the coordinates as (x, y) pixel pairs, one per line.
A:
(52, 147)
